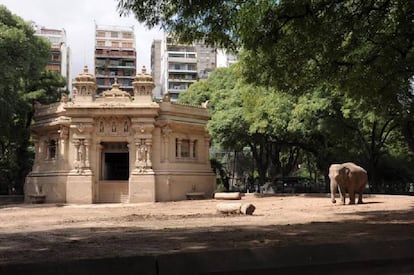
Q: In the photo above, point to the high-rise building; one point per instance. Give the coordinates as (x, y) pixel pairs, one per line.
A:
(115, 57)
(206, 60)
(59, 60)
(180, 67)
(156, 72)
(184, 64)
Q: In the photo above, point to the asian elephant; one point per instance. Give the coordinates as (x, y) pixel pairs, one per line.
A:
(347, 177)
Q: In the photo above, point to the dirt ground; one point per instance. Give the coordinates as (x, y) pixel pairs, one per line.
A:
(51, 232)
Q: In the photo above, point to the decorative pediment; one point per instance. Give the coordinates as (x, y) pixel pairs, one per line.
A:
(115, 92)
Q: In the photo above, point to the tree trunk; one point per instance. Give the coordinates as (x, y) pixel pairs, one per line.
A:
(229, 208)
(227, 196)
(262, 160)
(235, 208)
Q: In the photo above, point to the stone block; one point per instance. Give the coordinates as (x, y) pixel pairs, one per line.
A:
(79, 189)
(142, 188)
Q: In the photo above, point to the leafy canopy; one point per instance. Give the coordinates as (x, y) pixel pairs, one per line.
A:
(363, 47)
(23, 79)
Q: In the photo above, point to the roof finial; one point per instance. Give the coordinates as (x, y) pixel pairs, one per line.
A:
(144, 70)
(116, 84)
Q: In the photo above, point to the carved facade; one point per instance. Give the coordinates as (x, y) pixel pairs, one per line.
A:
(118, 147)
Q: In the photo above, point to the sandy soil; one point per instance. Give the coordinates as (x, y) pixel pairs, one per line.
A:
(56, 232)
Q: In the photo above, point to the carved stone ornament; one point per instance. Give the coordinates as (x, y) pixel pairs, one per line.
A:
(113, 126)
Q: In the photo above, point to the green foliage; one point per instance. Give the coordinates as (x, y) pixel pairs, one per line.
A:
(362, 47)
(221, 174)
(48, 87)
(22, 81)
(191, 19)
(322, 126)
(346, 64)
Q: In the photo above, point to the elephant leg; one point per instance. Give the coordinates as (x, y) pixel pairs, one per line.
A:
(351, 196)
(360, 198)
(342, 194)
(360, 192)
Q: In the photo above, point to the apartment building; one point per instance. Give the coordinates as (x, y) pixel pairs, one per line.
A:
(206, 60)
(180, 67)
(59, 60)
(156, 71)
(115, 57)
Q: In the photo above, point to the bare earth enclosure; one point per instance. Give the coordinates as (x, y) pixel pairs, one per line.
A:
(36, 233)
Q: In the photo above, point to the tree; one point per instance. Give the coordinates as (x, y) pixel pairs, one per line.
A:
(348, 129)
(23, 59)
(363, 48)
(337, 40)
(245, 115)
(213, 21)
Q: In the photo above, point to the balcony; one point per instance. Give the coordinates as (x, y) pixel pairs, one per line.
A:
(114, 76)
(122, 57)
(115, 54)
(121, 67)
(129, 49)
(182, 71)
(181, 80)
(182, 60)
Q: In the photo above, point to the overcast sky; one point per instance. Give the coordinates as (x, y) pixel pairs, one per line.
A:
(78, 18)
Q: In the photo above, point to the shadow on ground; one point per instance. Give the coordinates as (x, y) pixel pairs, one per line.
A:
(97, 242)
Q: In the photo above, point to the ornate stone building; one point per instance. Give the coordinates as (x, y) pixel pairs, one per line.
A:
(119, 148)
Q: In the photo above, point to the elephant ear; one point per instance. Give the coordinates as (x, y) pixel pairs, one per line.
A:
(347, 174)
(347, 171)
(344, 172)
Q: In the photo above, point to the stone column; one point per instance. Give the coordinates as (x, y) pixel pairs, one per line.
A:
(207, 148)
(98, 156)
(80, 181)
(57, 148)
(142, 178)
(191, 148)
(36, 148)
(164, 156)
(79, 185)
(46, 149)
(137, 154)
(148, 144)
(63, 137)
(81, 153)
(178, 148)
(166, 138)
(76, 162)
(98, 167)
(41, 149)
(86, 144)
(63, 146)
